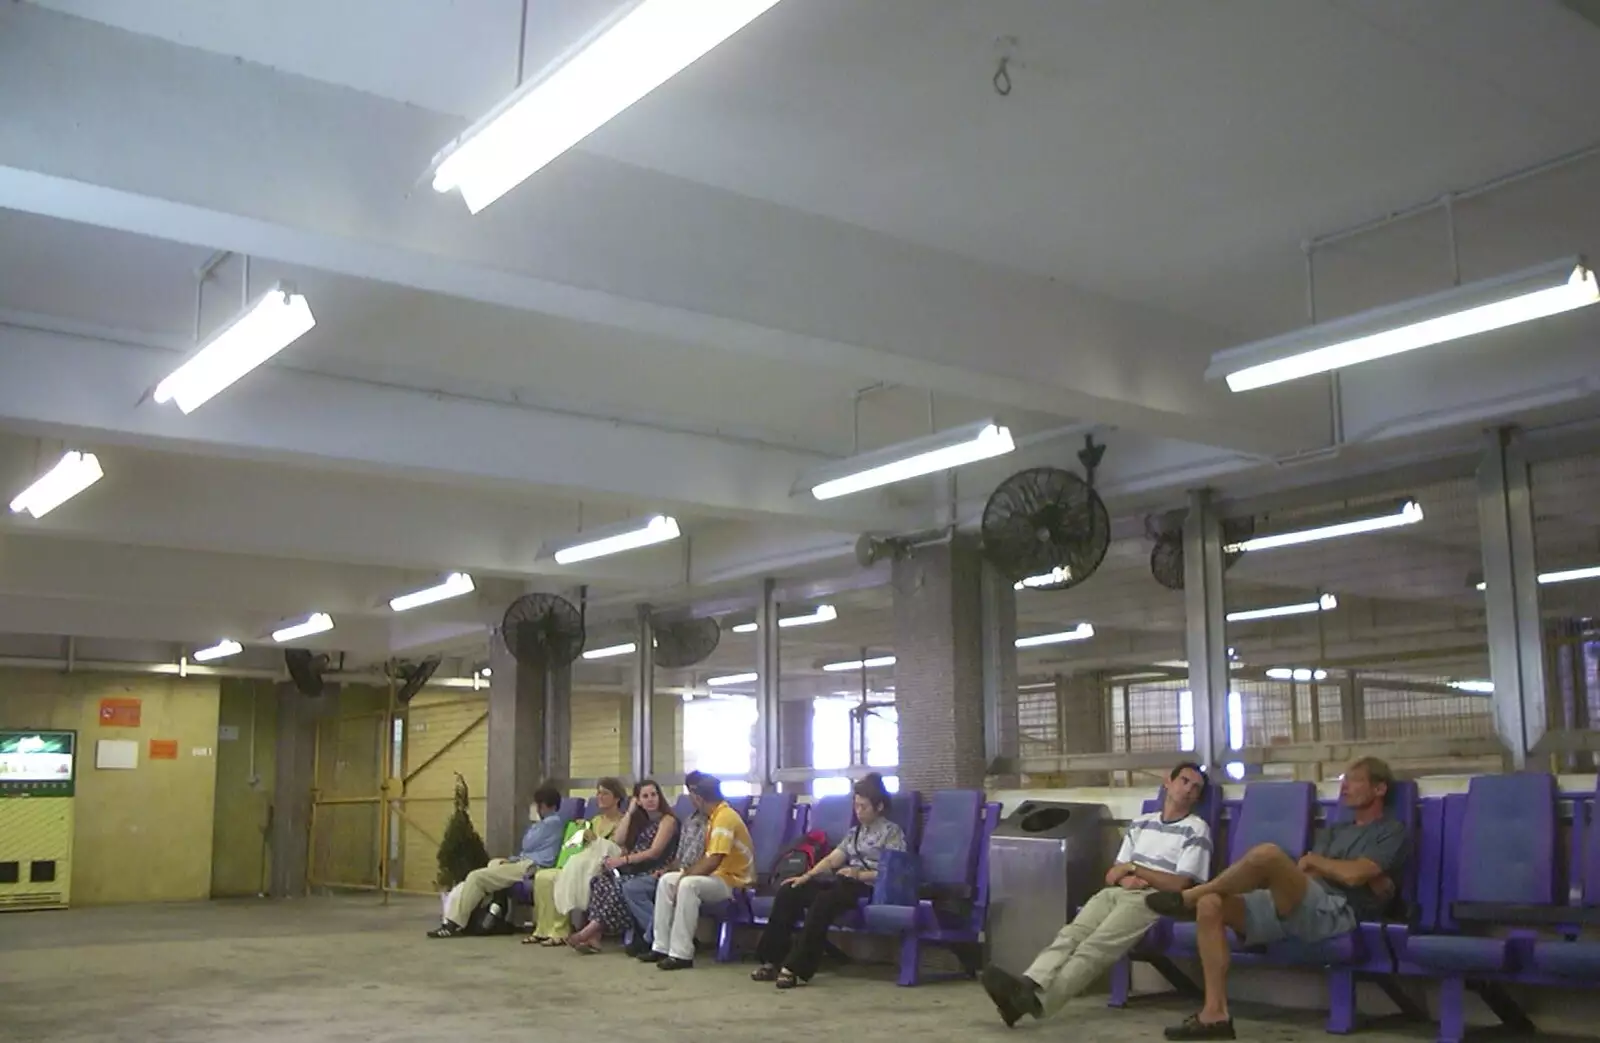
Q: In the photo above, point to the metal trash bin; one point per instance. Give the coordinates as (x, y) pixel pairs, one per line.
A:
(1044, 862)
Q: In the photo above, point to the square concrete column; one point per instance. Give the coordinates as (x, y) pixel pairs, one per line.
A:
(1083, 722)
(517, 700)
(1205, 628)
(938, 673)
(1002, 737)
(794, 732)
(296, 759)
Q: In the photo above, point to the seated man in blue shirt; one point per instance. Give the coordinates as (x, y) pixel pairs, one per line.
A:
(540, 846)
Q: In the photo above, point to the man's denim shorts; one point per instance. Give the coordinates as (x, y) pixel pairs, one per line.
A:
(1320, 915)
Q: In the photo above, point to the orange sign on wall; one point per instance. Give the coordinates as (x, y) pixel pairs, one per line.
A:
(119, 713)
(163, 749)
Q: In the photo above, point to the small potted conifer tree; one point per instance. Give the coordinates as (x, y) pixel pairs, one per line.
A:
(461, 851)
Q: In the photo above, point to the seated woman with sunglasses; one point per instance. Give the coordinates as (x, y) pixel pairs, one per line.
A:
(648, 838)
(831, 888)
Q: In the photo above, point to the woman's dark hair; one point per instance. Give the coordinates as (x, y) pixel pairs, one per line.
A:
(547, 797)
(613, 785)
(638, 816)
(1205, 780)
(871, 787)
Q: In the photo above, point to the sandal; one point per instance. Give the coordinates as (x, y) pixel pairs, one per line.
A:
(765, 972)
(787, 980)
(553, 943)
(535, 939)
(586, 949)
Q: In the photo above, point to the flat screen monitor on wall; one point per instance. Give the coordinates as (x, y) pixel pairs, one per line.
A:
(37, 763)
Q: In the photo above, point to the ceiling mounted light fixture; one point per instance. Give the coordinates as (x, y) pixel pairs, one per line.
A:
(611, 651)
(1081, 632)
(316, 623)
(221, 650)
(1059, 574)
(1325, 603)
(1296, 673)
(276, 320)
(1461, 311)
(896, 463)
(1475, 687)
(859, 664)
(454, 586)
(613, 539)
(1562, 576)
(730, 679)
(627, 57)
(74, 473)
(821, 614)
(1405, 512)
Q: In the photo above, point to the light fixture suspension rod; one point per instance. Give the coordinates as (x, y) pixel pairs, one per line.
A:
(1335, 386)
(522, 43)
(1450, 234)
(244, 283)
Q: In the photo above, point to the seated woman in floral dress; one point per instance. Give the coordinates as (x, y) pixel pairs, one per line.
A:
(648, 838)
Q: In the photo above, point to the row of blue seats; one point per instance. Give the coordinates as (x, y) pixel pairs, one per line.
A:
(1488, 869)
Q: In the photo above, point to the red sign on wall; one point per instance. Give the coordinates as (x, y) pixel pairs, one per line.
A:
(119, 713)
(163, 749)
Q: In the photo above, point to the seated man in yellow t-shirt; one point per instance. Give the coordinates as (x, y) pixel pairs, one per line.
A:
(728, 863)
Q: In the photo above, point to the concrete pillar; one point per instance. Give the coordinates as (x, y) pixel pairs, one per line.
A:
(794, 733)
(938, 647)
(295, 757)
(558, 726)
(1084, 725)
(1002, 740)
(1205, 627)
(769, 723)
(517, 696)
(1511, 596)
(644, 696)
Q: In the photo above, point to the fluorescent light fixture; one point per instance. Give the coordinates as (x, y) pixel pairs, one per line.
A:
(1407, 512)
(896, 463)
(455, 585)
(1461, 311)
(727, 679)
(316, 623)
(859, 664)
(1059, 574)
(614, 539)
(1475, 687)
(1296, 673)
(611, 650)
(1081, 632)
(1325, 603)
(221, 650)
(822, 614)
(1545, 578)
(74, 473)
(1037, 686)
(486, 672)
(276, 320)
(630, 56)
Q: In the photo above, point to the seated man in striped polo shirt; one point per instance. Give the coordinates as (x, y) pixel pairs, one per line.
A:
(1166, 850)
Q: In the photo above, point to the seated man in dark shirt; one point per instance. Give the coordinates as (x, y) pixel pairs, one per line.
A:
(1266, 896)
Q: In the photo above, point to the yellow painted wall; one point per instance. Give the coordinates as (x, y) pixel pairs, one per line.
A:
(142, 835)
(601, 724)
(249, 710)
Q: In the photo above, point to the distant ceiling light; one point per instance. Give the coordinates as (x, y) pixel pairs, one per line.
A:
(727, 679)
(1059, 574)
(1461, 311)
(1325, 603)
(74, 473)
(859, 664)
(614, 539)
(611, 650)
(221, 650)
(1545, 578)
(276, 320)
(937, 452)
(822, 614)
(486, 672)
(1037, 686)
(1081, 632)
(316, 623)
(1144, 675)
(651, 42)
(1408, 512)
(1298, 673)
(455, 585)
(1475, 687)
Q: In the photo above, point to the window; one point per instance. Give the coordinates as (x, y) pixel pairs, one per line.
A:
(718, 739)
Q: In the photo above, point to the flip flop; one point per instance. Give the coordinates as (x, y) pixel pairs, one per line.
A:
(534, 939)
(587, 949)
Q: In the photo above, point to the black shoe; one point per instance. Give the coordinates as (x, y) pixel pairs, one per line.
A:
(1012, 996)
(1194, 1028)
(1169, 903)
(651, 956)
(447, 930)
(672, 963)
(637, 949)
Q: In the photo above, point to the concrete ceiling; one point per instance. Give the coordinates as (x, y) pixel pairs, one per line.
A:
(825, 235)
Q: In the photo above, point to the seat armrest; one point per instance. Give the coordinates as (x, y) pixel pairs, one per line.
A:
(1517, 914)
(899, 880)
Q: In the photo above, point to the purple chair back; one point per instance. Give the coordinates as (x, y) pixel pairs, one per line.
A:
(1590, 847)
(770, 830)
(1455, 814)
(832, 816)
(1278, 813)
(740, 806)
(905, 811)
(949, 851)
(1430, 864)
(572, 809)
(591, 807)
(1508, 840)
(683, 807)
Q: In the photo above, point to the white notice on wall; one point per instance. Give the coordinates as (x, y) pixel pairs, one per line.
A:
(228, 732)
(200, 751)
(116, 754)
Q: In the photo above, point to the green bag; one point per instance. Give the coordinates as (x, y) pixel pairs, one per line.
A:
(572, 841)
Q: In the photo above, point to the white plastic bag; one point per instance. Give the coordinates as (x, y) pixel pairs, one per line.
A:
(572, 886)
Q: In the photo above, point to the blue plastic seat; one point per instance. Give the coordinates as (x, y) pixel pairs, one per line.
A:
(1578, 959)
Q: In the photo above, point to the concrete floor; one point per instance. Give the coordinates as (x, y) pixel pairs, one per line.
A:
(349, 969)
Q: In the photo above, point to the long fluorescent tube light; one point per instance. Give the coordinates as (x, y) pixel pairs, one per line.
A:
(1547, 578)
(455, 585)
(630, 56)
(859, 664)
(316, 623)
(1408, 512)
(1059, 574)
(936, 452)
(822, 614)
(611, 650)
(728, 679)
(1297, 673)
(276, 320)
(74, 473)
(1081, 632)
(614, 539)
(1475, 687)
(1325, 603)
(221, 650)
(1462, 311)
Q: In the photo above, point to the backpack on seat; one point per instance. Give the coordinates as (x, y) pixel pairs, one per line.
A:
(799, 858)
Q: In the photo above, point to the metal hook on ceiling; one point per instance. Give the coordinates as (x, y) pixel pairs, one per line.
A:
(1002, 77)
